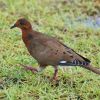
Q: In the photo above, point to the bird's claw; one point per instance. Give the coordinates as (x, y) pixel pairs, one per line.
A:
(54, 78)
(33, 70)
(22, 65)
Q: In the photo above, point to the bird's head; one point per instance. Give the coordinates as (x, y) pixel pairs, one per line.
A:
(22, 24)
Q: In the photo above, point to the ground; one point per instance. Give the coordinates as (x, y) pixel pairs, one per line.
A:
(56, 18)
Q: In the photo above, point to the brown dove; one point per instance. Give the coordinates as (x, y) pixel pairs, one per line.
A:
(49, 51)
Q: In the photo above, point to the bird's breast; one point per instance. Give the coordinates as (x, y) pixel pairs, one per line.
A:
(42, 53)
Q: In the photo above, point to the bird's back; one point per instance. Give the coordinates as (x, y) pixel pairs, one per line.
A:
(49, 51)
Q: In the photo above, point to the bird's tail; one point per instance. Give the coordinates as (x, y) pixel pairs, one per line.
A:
(93, 69)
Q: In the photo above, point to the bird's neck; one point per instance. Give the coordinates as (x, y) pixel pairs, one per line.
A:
(27, 35)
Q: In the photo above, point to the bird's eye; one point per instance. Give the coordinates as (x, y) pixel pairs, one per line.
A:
(21, 23)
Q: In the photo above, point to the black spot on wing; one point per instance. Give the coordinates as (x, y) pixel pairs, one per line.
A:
(56, 53)
(64, 52)
(69, 52)
(57, 50)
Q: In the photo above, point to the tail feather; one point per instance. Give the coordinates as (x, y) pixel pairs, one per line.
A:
(77, 62)
(73, 63)
(84, 64)
(93, 69)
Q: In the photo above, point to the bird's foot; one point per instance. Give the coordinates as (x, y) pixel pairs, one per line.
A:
(55, 78)
(33, 70)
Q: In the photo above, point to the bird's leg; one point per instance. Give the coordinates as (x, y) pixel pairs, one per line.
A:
(33, 70)
(55, 73)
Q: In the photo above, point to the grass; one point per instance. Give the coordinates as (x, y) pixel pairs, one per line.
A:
(49, 17)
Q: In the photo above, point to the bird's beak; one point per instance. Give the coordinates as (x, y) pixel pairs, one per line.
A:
(13, 26)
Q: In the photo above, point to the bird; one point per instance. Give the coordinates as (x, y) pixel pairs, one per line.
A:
(48, 50)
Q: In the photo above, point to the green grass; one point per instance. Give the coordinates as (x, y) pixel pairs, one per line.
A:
(49, 17)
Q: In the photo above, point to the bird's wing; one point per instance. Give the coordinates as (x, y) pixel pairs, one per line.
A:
(68, 56)
(76, 60)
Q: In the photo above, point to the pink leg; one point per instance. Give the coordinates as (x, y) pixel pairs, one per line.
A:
(33, 70)
(55, 73)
